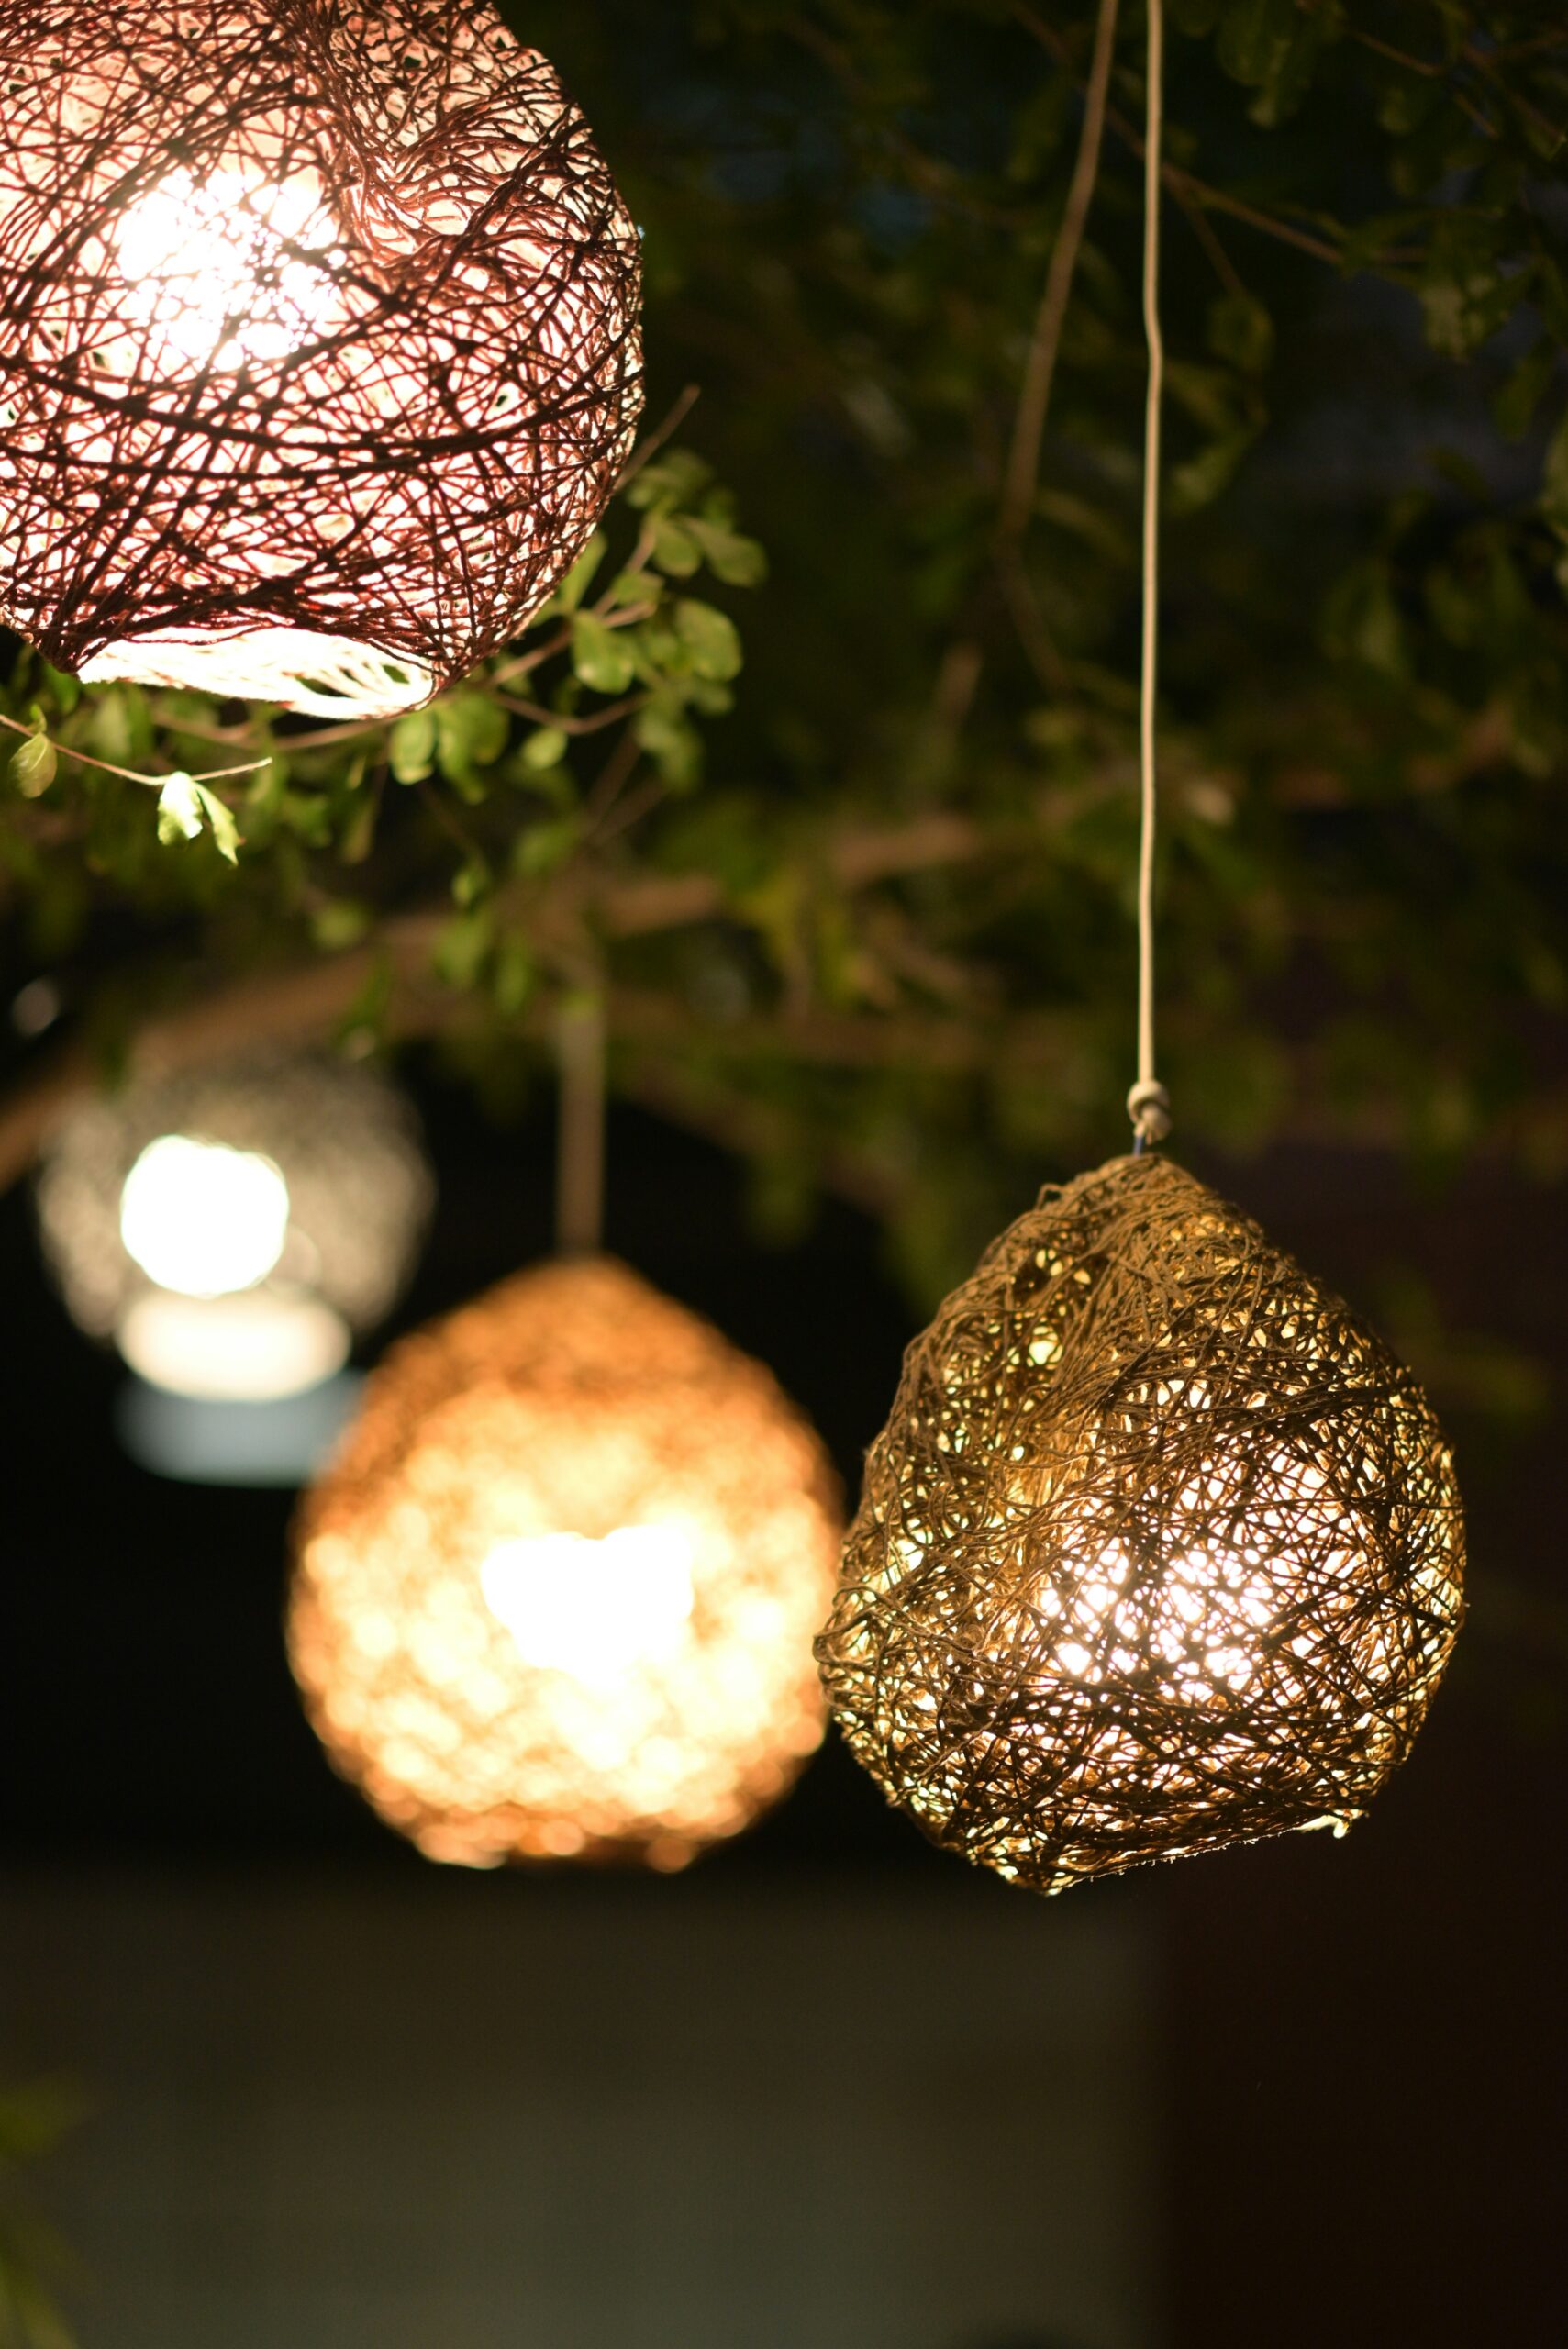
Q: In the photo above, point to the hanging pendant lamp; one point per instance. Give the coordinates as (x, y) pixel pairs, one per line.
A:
(555, 1598)
(233, 1228)
(1159, 1550)
(319, 343)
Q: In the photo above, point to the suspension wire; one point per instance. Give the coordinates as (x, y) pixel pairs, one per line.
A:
(1148, 1104)
(581, 1048)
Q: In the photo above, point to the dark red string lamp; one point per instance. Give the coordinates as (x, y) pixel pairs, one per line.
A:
(320, 349)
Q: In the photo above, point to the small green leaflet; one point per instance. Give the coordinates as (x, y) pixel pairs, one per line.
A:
(185, 807)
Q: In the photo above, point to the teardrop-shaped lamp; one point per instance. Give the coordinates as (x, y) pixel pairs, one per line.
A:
(1159, 1550)
(555, 1598)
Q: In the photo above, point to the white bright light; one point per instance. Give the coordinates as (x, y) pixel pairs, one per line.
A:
(202, 1219)
(227, 273)
(258, 1348)
(593, 1608)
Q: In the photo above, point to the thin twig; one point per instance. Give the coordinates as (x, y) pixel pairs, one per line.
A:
(130, 775)
(646, 449)
(1045, 343)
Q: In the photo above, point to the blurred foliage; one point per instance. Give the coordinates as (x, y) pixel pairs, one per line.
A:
(869, 920)
(32, 2121)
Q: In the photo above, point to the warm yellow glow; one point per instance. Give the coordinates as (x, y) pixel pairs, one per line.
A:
(593, 1608)
(1160, 1549)
(202, 1219)
(555, 1598)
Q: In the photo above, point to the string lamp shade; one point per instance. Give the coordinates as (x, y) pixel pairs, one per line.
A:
(319, 343)
(555, 1597)
(234, 1228)
(1159, 1550)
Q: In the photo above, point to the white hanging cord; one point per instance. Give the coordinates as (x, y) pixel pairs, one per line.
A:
(1148, 1104)
(582, 1050)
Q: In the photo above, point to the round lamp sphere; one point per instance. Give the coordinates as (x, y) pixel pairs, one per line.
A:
(234, 1228)
(1159, 1550)
(555, 1598)
(318, 343)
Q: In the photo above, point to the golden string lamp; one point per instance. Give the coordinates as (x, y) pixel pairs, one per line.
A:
(319, 343)
(1159, 1550)
(554, 1597)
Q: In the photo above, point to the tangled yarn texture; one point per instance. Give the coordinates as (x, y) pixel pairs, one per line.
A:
(1160, 1549)
(554, 1599)
(319, 343)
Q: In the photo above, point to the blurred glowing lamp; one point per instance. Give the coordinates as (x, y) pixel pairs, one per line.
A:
(554, 1597)
(319, 343)
(233, 1229)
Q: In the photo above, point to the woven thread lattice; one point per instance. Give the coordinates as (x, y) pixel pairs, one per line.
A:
(319, 341)
(1159, 1550)
(555, 1598)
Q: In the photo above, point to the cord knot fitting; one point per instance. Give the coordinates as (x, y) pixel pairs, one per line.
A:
(1149, 1107)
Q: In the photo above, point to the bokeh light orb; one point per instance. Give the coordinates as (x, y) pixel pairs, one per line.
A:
(319, 351)
(1159, 1550)
(555, 1598)
(233, 1229)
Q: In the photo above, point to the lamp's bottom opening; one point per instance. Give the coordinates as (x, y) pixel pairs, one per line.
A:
(325, 677)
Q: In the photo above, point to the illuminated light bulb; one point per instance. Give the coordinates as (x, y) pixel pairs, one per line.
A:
(554, 1597)
(318, 368)
(204, 1219)
(592, 1607)
(233, 1228)
(1159, 1550)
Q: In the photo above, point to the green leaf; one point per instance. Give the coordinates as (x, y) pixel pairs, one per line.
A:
(512, 981)
(339, 923)
(411, 747)
(599, 656)
(178, 811)
(464, 946)
(1271, 47)
(1362, 621)
(1242, 330)
(1202, 478)
(673, 744)
(739, 561)
(225, 831)
(65, 689)
(34, 765)
(675, 548)
(545, 847)
(673, 479)
(1554, 481)
(711, 640)
(545, 748)
(471, 731)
